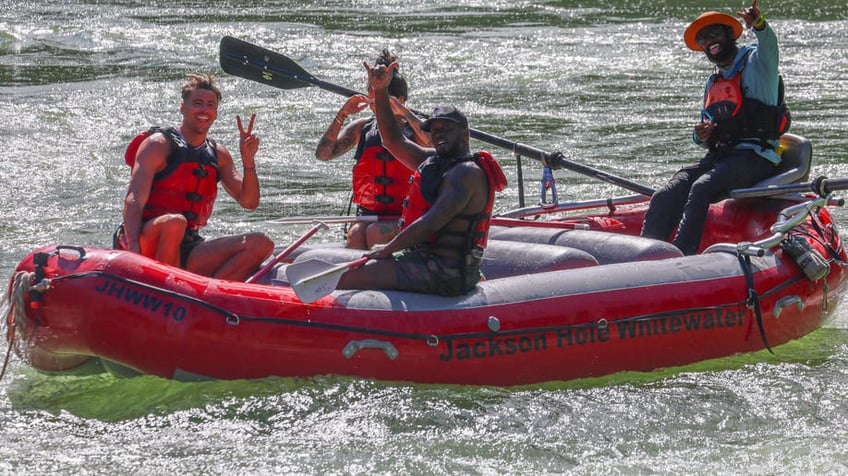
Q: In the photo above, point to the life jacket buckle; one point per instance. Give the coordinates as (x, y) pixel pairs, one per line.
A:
(200, 172)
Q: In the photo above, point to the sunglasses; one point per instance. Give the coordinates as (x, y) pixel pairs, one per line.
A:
(709, 33)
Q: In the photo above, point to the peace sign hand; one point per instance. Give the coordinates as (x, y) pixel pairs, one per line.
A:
(248, 142)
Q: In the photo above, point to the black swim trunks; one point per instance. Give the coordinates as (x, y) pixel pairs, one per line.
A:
(422, 271)
(191, 239)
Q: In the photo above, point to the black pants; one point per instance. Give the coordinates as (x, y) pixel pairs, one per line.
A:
(685, 200)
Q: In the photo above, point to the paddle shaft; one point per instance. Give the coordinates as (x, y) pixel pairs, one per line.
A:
(283, 254)
(334, 269)
(333, 219)
(253, 62)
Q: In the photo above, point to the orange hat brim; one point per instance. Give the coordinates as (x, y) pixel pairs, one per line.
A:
(707, 19)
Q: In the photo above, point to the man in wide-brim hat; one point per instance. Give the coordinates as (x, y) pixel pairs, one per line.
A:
(742, 118)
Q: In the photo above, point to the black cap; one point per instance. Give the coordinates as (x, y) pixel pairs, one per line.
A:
(448, 113)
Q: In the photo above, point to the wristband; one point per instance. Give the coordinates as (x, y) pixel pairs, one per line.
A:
(760, 23)
(340, 119)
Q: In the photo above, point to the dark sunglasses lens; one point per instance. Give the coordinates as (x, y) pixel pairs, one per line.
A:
(709, 33)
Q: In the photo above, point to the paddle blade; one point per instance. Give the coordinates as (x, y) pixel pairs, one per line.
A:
(283, 254)
(314, 278)
(253, 62)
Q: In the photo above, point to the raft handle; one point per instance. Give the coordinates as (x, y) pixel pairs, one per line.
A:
(80, 251)
(787, 301)
(355, 346)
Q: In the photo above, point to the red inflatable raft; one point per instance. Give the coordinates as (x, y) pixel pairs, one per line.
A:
(565, 298)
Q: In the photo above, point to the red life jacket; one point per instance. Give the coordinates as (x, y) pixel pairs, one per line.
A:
(189, 182)
(424, 190)
(380, 182)
(742, 119)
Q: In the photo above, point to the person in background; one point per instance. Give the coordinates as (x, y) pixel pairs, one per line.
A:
(174, 184)
(742, 118)
(445, 220)
(380, 182)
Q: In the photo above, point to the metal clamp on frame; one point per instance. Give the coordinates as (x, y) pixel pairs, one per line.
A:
(547, 183)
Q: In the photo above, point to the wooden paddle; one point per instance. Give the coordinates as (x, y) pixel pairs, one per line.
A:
(283, 254)
(314, 278)
(253, 62)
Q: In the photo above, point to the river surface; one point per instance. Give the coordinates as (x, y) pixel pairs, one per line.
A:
(608, 82)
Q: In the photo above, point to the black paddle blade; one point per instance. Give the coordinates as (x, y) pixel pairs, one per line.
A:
(253, 62)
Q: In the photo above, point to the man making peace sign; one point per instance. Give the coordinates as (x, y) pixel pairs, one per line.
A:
(173, 186)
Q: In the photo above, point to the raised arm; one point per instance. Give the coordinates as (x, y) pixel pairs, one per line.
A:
(338, 139)
(403, 149)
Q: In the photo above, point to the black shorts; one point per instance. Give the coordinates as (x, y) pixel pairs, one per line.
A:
(191, 239)
(424, 272)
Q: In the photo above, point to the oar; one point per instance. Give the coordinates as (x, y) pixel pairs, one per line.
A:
(821, 186)
(559, 160)
(314, 278)
(283, 254)
(262, 65)
(253, 62)
(332, 219)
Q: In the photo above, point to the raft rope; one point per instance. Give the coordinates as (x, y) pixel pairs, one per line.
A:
(232, 318)
(829, 245)
(753, 301)
(12, 309)
(833, 248)
(433, 339)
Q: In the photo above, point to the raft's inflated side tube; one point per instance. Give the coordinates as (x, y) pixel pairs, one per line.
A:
(606, 247)
(501, 258)
(575, 282)
(508, 258)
